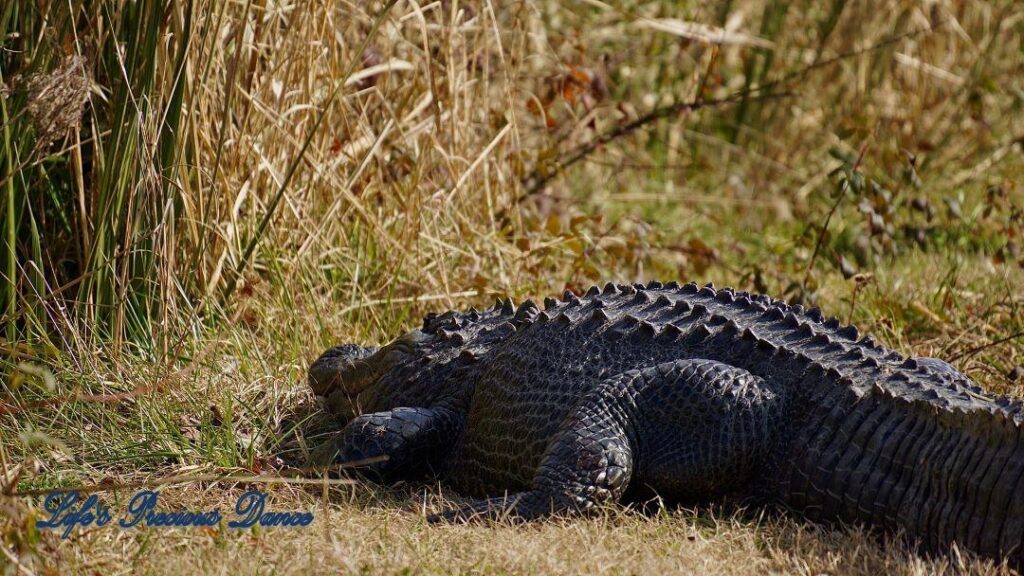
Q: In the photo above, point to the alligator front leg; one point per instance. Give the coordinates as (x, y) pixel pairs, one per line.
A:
(400, 444)
(589, 462)
(687, 429)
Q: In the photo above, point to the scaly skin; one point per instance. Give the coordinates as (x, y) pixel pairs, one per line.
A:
(690, 394)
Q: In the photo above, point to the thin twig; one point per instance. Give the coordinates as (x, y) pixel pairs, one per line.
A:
(976, 349)
(584, 150)
(831, 213)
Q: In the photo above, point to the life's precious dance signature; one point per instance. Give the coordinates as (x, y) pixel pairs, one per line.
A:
(68, 509)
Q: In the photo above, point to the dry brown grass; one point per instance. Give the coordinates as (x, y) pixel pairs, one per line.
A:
(375, 532)
(278, 236)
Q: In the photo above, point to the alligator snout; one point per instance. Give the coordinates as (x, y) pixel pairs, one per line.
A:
(346, 368)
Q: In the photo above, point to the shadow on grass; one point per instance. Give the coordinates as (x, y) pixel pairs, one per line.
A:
(308, 436)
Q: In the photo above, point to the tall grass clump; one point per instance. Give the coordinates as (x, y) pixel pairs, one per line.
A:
(161, 159)
(95, 154)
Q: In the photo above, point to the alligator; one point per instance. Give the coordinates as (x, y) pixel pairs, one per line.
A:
(688, 394)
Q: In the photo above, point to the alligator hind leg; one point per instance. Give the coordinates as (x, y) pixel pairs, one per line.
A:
(709, 436)
(682, 429)
(404, 443)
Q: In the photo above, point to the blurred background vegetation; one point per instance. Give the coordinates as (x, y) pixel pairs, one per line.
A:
(221, 189)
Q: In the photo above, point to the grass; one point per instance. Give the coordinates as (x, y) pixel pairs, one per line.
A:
(198, 197)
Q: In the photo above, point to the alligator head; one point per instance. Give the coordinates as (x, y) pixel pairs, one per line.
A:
(416, 368)
(344, 372)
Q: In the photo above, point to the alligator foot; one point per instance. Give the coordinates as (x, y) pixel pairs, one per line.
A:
(399, 444)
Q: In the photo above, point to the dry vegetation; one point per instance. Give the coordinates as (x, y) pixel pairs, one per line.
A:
(196, 198)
